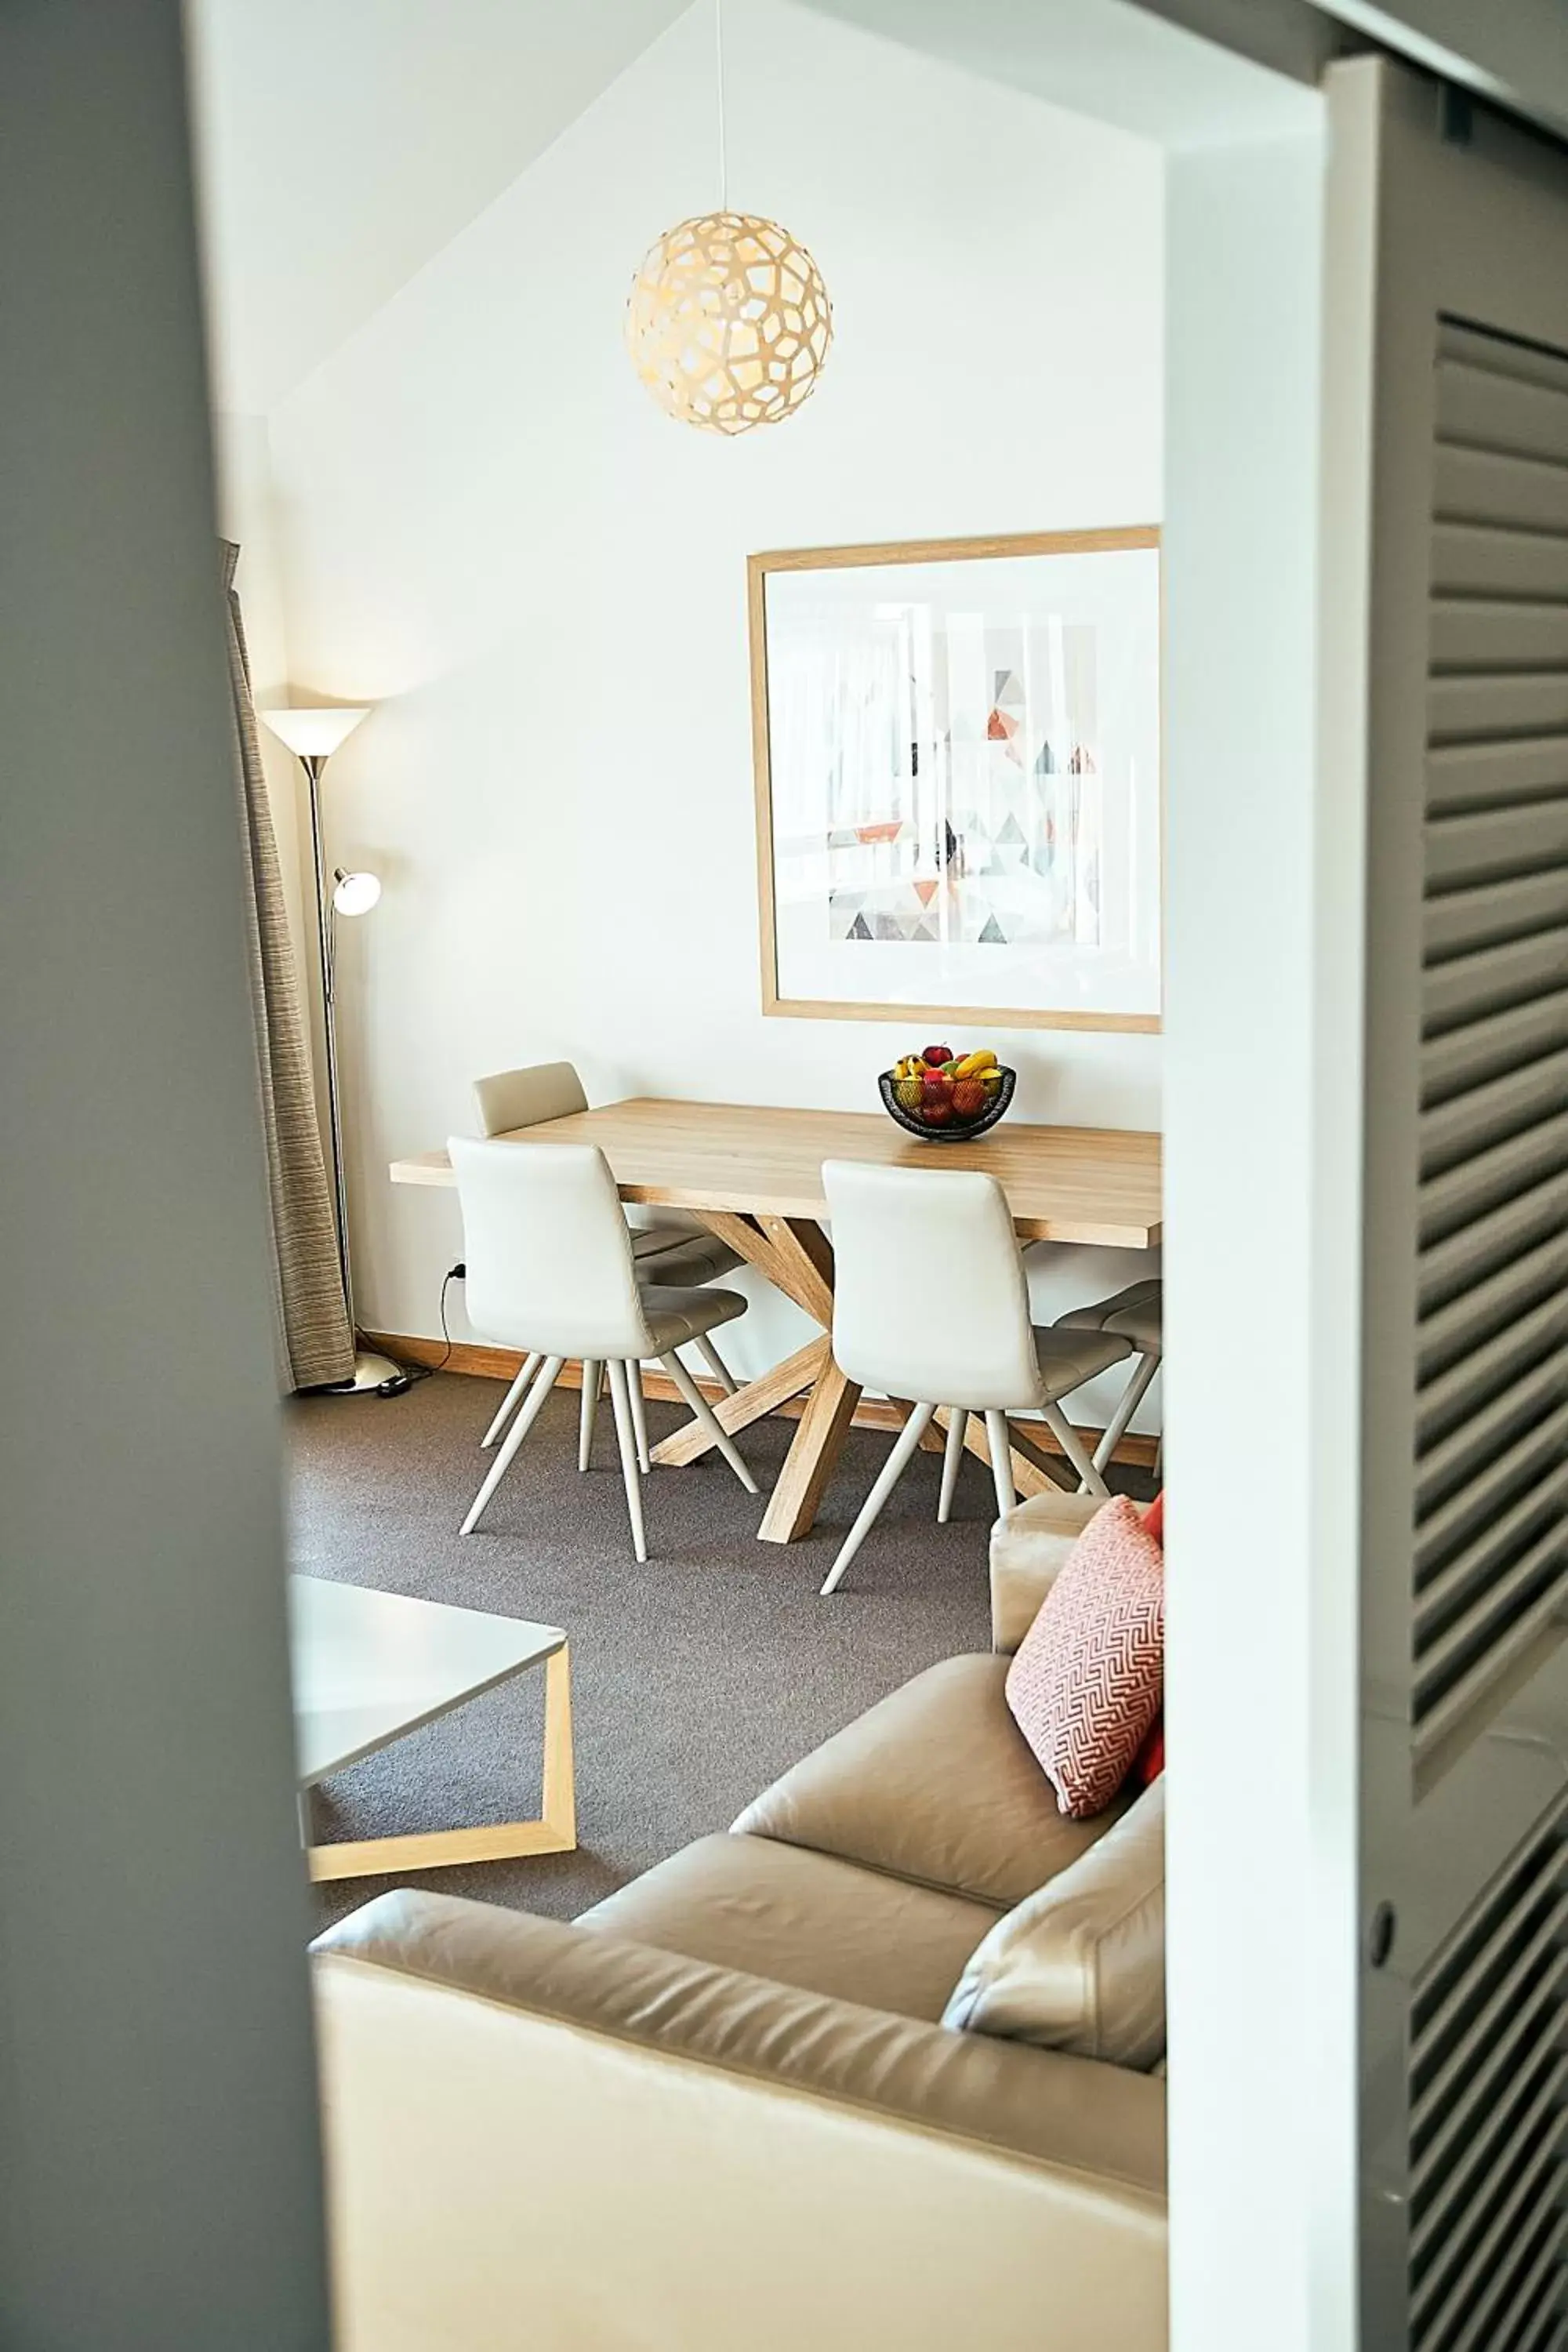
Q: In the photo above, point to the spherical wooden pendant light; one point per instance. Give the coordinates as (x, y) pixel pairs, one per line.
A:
(729, 321)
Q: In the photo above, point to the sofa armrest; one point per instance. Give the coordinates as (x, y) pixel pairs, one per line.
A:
(636, 2148)
(1028, 1545)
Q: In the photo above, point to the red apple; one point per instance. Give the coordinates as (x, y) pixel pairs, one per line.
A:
(935, 1056)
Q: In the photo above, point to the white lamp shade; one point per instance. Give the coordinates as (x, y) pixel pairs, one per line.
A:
(315, 734)
(356, 894)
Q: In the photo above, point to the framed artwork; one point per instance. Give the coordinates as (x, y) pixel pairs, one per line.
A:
(957, 748)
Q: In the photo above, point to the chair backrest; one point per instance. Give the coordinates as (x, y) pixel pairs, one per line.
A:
(514, 1098)
(547, 1249)
(930, 1299)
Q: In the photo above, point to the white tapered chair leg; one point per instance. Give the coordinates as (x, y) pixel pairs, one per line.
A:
(589, 1413)
(894, 1469)
(716, 1364)
(525, 1420)
(1089, 1480)
(692, 1396)
(639, 1416)
(956, 1429)
(1133, 1396)
(512, 1398)
(999, 1440)
(625, 1431)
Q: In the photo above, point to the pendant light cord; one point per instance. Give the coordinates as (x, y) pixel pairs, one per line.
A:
(718, 71)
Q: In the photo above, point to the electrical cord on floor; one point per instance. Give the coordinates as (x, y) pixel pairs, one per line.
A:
(458, 1272)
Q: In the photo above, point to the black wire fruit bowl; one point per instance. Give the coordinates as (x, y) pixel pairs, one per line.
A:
(933, 1112)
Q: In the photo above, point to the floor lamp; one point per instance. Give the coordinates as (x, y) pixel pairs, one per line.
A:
(314, 736)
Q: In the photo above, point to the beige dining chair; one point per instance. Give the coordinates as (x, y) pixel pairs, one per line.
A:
(551, 1272)
(677, 1255)
(930, 1302)
(1137, 1313)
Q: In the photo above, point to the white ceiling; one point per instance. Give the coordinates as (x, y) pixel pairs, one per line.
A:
(341, 143)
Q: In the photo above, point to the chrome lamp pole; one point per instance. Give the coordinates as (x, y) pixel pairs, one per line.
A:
(313, 735)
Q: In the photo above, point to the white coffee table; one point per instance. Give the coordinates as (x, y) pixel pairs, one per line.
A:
(370, 1667)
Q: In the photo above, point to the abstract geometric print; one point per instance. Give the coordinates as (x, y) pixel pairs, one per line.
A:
(958, 773)
(963, 788)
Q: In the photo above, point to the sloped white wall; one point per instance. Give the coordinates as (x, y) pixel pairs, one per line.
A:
(339, 146)
(488, 530)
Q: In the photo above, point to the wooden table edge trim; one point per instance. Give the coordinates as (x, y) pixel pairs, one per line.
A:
(1128, 1149)
(434, 1169)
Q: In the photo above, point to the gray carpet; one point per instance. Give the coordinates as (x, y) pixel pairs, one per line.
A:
(696, 1679)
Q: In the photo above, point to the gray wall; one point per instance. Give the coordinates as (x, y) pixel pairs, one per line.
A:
(1515, 51)
(157, 2133)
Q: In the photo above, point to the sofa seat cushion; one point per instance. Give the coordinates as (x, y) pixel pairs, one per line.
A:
(935, 1784)
(804, 1919)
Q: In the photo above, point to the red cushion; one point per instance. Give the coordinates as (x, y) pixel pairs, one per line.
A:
(1150, 1758)
(1087, 1682)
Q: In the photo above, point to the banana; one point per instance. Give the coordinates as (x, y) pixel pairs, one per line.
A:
(973, 1064)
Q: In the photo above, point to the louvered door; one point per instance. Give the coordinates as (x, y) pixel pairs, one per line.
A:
(1448, 643)
(1490, 1507)
(1488, 2086)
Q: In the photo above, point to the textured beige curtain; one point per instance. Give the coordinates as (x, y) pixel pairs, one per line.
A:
(315, 1344)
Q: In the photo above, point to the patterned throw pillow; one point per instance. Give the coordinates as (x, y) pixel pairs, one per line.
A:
(1088, 1676)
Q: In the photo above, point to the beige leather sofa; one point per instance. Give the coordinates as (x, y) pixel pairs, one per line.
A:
(718, 2113)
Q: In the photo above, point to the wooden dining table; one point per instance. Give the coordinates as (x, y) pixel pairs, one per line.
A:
(752, 1174)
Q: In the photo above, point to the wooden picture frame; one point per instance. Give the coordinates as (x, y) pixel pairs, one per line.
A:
(1004, 549)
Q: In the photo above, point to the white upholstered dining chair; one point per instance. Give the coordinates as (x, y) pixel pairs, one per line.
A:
(1138, 1313)
(551, 1272)
(675, 1254)
(930, 1302)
